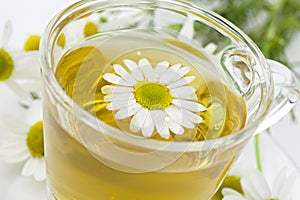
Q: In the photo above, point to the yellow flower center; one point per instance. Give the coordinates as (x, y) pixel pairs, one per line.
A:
(35, 140)
(32, 43)
(90, 28)
(153, 96)
(6, 65)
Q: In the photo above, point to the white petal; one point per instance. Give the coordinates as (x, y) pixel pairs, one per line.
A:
(169, 76)
(119, 96)
(183, 71)
(109, 89)
(148, 126)
(176, 67)
(148, 130)
(124, 74)
(211, 47)
(117, 105)
(13, 149)
(17, 89)
(191, 116)
(147, 69)
(229, 191)
(255, 185)
(184, 92)
(138, 119)
(283, 184)
(161, 67)
(189, 105)
(130, 64)
(16, 158)
(161, 126)
(175, 127)
(187, 31)
(120, 70)
(30, 167)
(6, 34)
(40, 173)
(137, 74)
(181, 82)
(176, 114)
(128, 111)
(10, 122)
(112, 78)
(34, 113)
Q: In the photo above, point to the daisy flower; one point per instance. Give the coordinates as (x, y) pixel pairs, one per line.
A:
(155, 98)
(18, 69)
(26, 143)
(255, 187)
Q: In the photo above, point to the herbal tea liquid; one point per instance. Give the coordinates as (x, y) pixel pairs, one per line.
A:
(75, 172)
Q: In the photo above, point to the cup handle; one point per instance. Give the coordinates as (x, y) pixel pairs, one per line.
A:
(286, 93)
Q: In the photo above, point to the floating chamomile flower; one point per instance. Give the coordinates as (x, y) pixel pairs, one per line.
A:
(19, 70)
(26, 143)
(255, 187)
(158, 98)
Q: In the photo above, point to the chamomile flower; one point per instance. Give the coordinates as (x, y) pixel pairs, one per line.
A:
(18, 69)
(26, 143)
(155, 98)
(255, 187)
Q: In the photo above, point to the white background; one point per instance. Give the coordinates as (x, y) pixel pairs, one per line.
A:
(30, 17)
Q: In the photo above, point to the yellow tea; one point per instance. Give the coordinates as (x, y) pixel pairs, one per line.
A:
(78, 170)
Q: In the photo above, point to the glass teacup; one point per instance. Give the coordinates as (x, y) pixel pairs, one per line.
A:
(94, 151)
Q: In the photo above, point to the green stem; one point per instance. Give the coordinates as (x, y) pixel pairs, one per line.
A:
(257, 153)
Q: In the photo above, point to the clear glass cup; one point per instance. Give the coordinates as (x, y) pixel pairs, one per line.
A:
(89, 159)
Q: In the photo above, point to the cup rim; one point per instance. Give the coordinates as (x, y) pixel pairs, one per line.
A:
(48, 38)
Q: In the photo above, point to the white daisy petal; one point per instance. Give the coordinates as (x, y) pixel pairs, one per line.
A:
(159, 119)
(183, 71)
(175, 127)
(175, 67)
(147, 69)
(17, 89)
(194, 118)
(130, 64)
(137, 74)
(30, 167)
(120, 70)
(169, 76)
(13, 149)
(119, 96)
(10, 122)
(128, 111)
(109, 89)
(183, 92)
(16, 158)
(40, 173)
(282, 185)
(176, 114)
(139, 118)
(112, 78)
(117, 105)
(148, 126)
(148, 130)
(161, 67)
(124, 74)
(255, 185)
(6, 34)
(229, 191)
(189, 105)
(181, 82)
